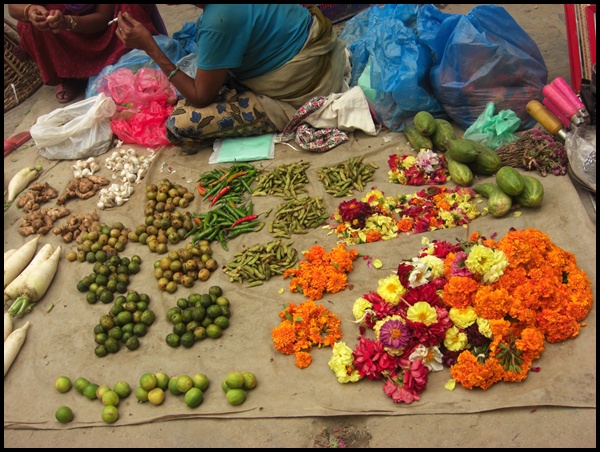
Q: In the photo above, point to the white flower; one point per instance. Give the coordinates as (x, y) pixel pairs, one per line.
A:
(430, 357)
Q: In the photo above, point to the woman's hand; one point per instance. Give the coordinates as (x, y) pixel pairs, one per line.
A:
(133, 33)
(37, 16)
(58, 22)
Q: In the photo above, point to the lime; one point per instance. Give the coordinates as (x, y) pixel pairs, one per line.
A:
(122, 389)
(148, 317)
(184, 383)
(214, 331)
(112, 344)
(173, 386)
(173, 340)
(90, 391)
(140, 330)
(63, 384)
(80, 384)
(188, 339)
(249, 380)
(101, 351)
(148, 381)
(236, 396)
(222, 321)
(200, 381)
(214, 311)
(64, 414)
(235, 380)
(223, 301)
(162, 380)
(194, 397)
(179, 328)
(141, 394)
(110, 397)
(156, 396)
(200, 333)
(206, 300)
(101, 390)
(132, 343)
(224, 386)
(215, 290)
(110, 414)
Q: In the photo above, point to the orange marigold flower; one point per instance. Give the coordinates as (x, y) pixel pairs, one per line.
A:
(459, 292)
(470, 373)
(303, 360)
(404, 225)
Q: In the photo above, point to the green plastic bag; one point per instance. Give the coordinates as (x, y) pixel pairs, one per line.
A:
(492, 130)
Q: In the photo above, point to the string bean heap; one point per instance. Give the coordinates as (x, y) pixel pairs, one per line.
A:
(287, 181)
(339, 180)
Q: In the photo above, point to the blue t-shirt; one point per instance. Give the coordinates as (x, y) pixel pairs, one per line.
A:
(251, 40)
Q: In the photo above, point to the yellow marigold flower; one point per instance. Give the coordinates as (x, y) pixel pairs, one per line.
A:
(391, 289)
(486, 262)
(455, 340)
(341, 363)
(360, 307)
(484, 327)
(464, 317)
(422, 312)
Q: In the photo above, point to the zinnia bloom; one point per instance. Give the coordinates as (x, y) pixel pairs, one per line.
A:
(391, 289)
(393, 333)
(422, 312)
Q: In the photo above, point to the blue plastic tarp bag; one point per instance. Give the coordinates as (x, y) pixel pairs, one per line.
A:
(383, 42)
(481, 57)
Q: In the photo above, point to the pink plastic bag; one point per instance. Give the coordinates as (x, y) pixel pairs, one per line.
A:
(133, 91)
(144, 102)
(146, 127)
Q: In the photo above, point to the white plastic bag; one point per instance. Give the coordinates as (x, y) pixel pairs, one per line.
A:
(77, 131)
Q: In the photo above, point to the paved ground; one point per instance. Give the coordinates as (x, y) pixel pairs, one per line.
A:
(518, 427)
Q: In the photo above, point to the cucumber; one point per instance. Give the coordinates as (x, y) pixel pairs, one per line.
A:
(425, 123)
(459, 172)
(532, 194)
(444, 132)
(463, 150)
(486, 189)
(487, 161)
(510, 181)
(417, 140)
(499, 203)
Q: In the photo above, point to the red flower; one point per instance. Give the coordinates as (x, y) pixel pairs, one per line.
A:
(371, 359)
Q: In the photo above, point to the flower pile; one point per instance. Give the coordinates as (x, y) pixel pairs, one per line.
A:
(378, 217)
(303, 327)
(322, 271)
(482, 308)
(427, 168)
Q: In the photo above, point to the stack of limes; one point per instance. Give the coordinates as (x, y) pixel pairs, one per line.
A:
(192, 388)
(198, 316)
(110, 398)
(235, 386)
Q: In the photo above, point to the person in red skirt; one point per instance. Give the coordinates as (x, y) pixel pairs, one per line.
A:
(71, 43)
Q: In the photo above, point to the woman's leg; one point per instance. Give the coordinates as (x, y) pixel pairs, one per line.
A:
(236, 113)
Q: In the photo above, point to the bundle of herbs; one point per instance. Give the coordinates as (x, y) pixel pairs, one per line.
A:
(535, 150)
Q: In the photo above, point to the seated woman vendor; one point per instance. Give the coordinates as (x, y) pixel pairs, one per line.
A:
(257, 64)
(71, 43)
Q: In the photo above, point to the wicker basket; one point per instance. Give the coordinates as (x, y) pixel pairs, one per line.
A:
(21, 78)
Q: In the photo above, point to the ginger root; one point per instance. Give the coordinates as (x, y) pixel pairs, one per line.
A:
(40, 221)
(82, 188)
(38, 193)
(76, 225)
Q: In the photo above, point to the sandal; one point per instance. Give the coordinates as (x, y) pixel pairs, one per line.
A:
(69, 90)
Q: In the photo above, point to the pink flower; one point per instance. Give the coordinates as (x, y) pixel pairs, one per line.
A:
(371, 360)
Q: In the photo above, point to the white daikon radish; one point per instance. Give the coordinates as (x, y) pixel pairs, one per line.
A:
(8, 325)
(33, 282)
(13, 344)
(21, 180)
(17, 262)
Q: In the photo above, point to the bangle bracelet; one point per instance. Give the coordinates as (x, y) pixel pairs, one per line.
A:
(73, 23)
(26, 12)
(172, 74)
